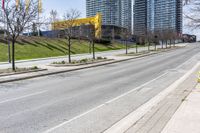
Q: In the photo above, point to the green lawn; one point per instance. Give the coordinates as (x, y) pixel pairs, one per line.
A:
(38, 47)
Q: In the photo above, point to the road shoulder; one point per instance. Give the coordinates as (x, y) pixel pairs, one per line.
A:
(187, 117)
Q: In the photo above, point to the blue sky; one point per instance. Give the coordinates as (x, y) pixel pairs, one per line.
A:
(63, 5)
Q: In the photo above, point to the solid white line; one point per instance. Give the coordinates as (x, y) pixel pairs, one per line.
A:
(125, 94)
(112, 100)
(79, 116)
(128, 121)
(22, 97)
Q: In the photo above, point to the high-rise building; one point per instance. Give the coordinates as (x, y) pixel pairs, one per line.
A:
(140, 16)
(114, 12)
(157, 15)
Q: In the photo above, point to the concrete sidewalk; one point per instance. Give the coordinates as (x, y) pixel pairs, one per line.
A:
(51, 70)
(43, 62)
(187, 117)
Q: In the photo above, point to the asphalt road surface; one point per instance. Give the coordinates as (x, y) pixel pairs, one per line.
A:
(71, 102)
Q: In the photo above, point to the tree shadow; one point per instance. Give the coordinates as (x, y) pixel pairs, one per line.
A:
(43, 45)
(54, 47)
(28, 42)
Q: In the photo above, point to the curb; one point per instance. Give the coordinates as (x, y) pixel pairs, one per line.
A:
(71, 70)
(18, 73)
(124, 124)
(85, 67)
(79, 64)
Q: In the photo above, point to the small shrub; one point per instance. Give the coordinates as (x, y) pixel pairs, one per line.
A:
(62, 62)
(83, 60)
(99, 58)
(35, 67)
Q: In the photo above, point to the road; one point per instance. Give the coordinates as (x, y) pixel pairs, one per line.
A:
(75, 102)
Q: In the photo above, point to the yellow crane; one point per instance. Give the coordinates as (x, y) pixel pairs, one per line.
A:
(96, 21)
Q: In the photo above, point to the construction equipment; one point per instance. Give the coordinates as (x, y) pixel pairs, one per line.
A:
(96, 21)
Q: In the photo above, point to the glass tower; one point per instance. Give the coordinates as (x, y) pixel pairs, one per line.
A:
(140, 17)
(114, 12)
(157, 15)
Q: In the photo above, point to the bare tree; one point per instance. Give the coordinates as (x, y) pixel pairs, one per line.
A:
(162, 38)
(17, 20)
(92, 39)
(149, 38)
(53, 16)
(71, 16)
(125, 36)
(193, 14)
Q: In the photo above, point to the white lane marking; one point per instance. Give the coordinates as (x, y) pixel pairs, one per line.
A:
(125, 94)
(22, 97)
(112, 100)
(133, 117)
(79, 116)
(184, 63)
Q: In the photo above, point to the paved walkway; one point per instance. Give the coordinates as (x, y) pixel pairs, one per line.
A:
(156, 119)
(187, 117)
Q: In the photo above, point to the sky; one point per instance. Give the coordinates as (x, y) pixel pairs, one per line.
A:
(63, 5)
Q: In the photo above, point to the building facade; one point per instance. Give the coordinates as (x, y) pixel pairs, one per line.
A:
(157, 15)
(140, 17)
(114, 12)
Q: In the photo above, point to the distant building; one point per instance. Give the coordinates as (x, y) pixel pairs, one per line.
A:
(114, 12)
(189, 38)
(157, 15)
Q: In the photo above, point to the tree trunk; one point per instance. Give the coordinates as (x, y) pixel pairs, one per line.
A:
(162, 44)
(155, 46)
(13, 55)
(90, 47)
(9, 55)
(136, 48)
(69, 50)
(174, 43)
(149, 46)
(93, 49)
(126, 47)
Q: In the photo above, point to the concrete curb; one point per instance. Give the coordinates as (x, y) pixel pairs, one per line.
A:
(124, 124)
(80, 64)
(18, 73)
(70, 70)
(81, 68)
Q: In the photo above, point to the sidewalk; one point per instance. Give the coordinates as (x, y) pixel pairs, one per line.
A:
(187, 117)
(51, 70)
(42, 63)
(56, 70)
